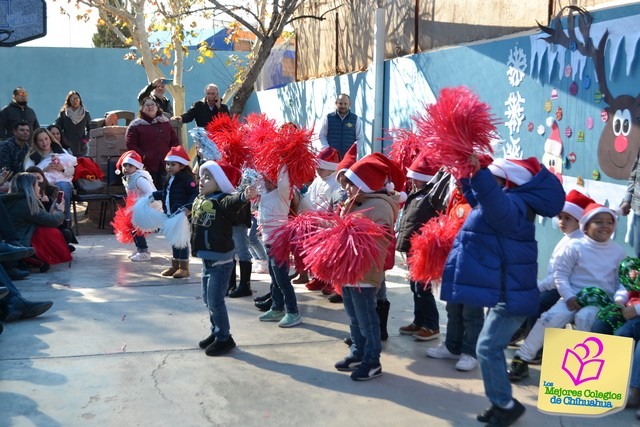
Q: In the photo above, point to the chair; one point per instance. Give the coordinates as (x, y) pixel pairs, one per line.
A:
(114, 191)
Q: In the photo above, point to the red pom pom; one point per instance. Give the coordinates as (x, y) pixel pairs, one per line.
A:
(342, 253)
(122, 226)
(405, 147)
(288, 146)
(430, 247)
(455, 128)
(228, 135)
(287, 239)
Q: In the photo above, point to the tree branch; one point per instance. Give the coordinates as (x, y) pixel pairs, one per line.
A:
(244, 22)
(319, 18)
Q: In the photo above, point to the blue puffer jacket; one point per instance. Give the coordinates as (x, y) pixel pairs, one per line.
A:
(494, 256)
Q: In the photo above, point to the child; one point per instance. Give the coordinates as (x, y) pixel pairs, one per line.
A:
(138, 184)
(426, 199)
(369, 195)
(591, 261)
(464, 321)
(493, 263)
(273, 211)
(211, 240)
(178, 193)
(320, 191)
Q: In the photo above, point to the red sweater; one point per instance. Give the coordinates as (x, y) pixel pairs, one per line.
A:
(152, 139)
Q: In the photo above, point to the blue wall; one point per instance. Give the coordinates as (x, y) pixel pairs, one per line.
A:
(102, 77)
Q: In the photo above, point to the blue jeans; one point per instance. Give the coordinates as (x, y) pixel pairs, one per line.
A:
(215, 281)
(425, 310)
(381, 295)
(241, 242)
(180, 253)
(256, 248)
(282, 292)
(499, 327)
(636, 235)
(67, 189)
(630, 328)
(360, 305)
(464, 323)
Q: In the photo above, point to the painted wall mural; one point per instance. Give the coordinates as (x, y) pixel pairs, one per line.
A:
(619, 141)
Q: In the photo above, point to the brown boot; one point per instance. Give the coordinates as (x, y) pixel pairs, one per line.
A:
(171, 270)
(183, 269)
(302, 278)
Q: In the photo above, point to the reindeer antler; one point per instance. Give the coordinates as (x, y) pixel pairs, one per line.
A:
(585, 47)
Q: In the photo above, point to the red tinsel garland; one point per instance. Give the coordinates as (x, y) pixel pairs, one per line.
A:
(122, 226)
(430, 247)
(455, 128)
(344, 252)
(228, 135)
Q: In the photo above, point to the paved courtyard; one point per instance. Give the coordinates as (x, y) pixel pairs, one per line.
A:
(119, 348)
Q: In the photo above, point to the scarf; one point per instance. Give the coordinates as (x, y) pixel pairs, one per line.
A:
(146, 120)
(75, 116)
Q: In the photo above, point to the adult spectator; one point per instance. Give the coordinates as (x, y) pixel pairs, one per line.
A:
(73, 122)
(17, 111)
(341, 128)
(14, 150)
(156, 90)
(151, 136)
(206, 109)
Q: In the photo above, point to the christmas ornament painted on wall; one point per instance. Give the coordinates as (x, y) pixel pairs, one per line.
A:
(572, 157)
(530, 126)
(589, 122)
(548, 106)
(559, 114)
(554, 93)
(580, 136)
(595, 175)
(573, 88)
(568, 132)
(586, 82)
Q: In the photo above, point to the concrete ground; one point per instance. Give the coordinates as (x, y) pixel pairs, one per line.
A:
(119, 348)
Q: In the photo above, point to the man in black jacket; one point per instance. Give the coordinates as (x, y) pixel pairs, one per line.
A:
(17, 111)
(206, 109)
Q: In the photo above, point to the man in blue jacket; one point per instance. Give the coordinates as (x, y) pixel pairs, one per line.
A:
(342, 128)
(493, 263)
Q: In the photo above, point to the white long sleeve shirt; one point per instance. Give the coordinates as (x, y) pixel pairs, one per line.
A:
(320, 192)
(586, 263)
(273, 209)
(547, 283)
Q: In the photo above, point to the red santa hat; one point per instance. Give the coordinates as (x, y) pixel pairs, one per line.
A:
(130, 157)
(328, 159)
(349, 158)
(592, 210)
(575, 203)
(553, 144)
(179, 155)
(515, 171)
(421, 169)
(227, 177)
(376, 172)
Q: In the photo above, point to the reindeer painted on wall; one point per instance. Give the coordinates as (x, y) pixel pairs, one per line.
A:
(620, 139)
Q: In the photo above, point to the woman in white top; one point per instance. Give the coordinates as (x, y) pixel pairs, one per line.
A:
(58, 165)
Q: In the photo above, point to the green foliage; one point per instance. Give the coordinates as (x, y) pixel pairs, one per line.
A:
(105, 37)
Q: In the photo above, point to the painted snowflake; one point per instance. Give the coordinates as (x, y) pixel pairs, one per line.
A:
(516, 66)
(514, 112)
(512, 149)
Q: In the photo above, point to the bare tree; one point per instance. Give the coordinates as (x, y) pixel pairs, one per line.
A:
(268, 21)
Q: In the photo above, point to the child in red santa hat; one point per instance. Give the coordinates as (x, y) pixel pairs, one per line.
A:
(178, 194)
(370, 185)
(211, 240)
(138, 184)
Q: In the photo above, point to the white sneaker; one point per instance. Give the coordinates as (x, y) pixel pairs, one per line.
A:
(441, 352)
(141, 257)
(466, 363)
(133, 253)
(260, 267)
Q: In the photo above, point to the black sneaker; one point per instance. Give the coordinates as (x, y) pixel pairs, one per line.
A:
(348, 364)
(485, 416)
(263, 305)
(207, 341)
(348, 341)
(366, 372)
(505, 417)
(218, 348)
(519, 369)
(262, 298)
